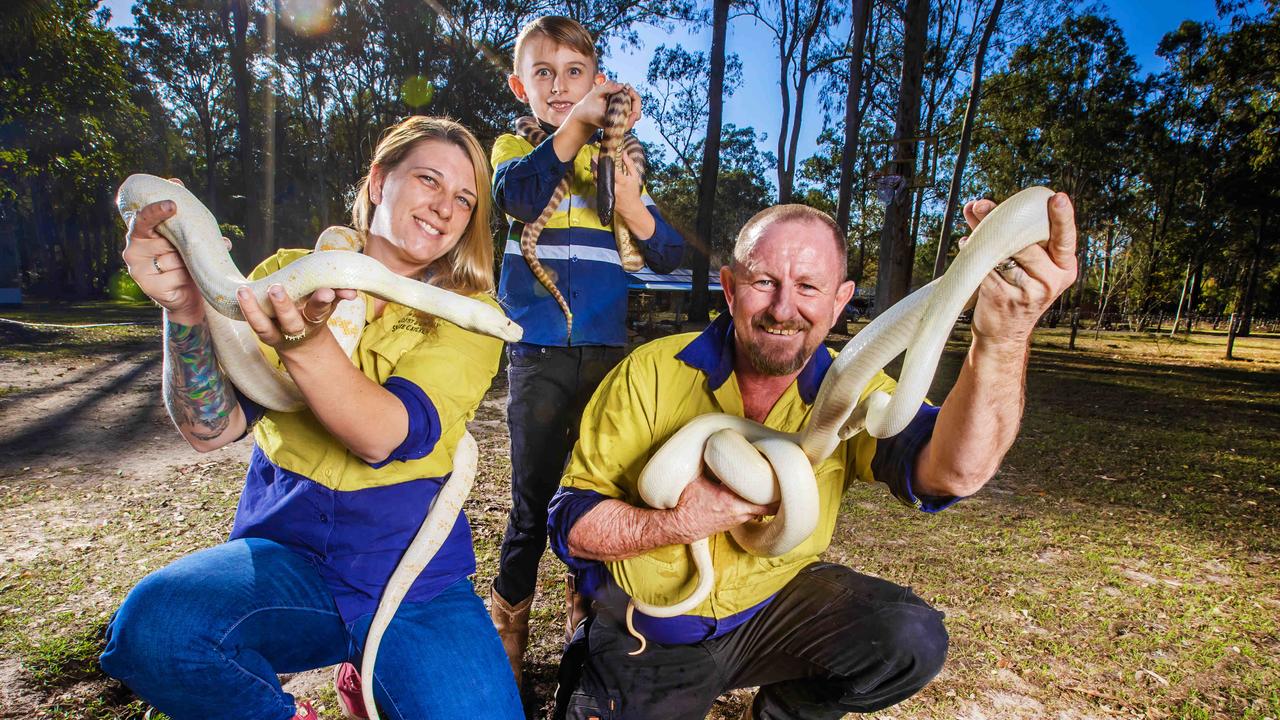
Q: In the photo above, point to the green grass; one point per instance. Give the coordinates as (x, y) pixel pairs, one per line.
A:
(1125, 561)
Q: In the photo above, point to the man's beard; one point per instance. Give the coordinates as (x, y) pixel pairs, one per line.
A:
(778, 363)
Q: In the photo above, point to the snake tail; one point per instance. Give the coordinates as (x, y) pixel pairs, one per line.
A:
(529, 248)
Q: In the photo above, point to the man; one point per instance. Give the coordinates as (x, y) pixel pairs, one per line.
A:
(819, 639)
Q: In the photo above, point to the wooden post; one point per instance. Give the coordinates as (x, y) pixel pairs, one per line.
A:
(1231, 336)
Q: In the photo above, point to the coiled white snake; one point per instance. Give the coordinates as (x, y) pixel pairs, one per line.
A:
(193, 231)
(782, 469)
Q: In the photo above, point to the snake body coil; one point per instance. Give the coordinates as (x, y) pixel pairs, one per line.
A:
(193, 231)
(614, 142)
(920, 324)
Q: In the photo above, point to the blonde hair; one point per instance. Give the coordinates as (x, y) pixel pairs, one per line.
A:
(560, 30)
(755, 227)
(467, 268)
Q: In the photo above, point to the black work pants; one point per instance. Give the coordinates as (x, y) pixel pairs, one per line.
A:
(548, 389)
(833, 641)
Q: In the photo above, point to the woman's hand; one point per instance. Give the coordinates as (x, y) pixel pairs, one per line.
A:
(294, 325)
(154, 263)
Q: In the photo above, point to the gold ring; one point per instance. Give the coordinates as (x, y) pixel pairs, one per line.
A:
(155, 263)
(295, 338)
(308, 320)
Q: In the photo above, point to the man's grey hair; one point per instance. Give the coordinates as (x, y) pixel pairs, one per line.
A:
(750, 233)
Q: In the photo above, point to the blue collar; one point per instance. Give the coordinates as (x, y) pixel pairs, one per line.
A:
(712, 353)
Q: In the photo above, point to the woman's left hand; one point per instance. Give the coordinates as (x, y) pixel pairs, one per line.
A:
(294, 325)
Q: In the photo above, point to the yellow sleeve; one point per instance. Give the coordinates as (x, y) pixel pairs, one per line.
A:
(508, 147)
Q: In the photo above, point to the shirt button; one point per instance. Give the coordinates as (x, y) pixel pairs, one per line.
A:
(573, 259)
(324, 518)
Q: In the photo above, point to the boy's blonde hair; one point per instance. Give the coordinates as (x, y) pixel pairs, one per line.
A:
(467, 268)
(560, 30)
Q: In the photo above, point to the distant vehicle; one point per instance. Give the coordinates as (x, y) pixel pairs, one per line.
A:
(859, 308)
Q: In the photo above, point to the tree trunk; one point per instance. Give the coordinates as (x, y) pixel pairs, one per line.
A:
(1182, 297)
(705, 223)
(894, 277)
(253, 250)
(785, 48)
(266, 240)
(1251, 282)
(802, 83)
(1082, 259)
(966, 133)
(852, 113)
(1194, 300)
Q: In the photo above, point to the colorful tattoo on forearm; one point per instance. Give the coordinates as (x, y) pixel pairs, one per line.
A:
(196, 392)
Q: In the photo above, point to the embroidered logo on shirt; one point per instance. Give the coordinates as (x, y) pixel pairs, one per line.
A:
(409, 322)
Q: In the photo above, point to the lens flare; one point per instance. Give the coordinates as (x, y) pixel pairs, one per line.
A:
(307, 17)
(417, 91)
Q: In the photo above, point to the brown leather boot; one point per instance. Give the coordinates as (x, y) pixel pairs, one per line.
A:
(512, 622)
(576, 607)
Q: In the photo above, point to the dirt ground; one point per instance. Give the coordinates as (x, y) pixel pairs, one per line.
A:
(1068, 596)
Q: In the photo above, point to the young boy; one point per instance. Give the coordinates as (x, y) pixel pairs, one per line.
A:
(551, 375)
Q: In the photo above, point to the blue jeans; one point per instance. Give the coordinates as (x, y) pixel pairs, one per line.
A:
(205, 637)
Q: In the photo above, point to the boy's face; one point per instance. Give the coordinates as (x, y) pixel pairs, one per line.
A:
(552, 78)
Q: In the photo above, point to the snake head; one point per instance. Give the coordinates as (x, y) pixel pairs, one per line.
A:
(605, 167)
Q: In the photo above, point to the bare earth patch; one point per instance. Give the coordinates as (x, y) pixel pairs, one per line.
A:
(1125, 562)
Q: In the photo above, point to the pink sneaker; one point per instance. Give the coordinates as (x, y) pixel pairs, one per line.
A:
(346, 681)
(305, 711)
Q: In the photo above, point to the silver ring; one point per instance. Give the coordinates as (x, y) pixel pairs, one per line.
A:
(1007, 265)
(295, 338)
(155, 263)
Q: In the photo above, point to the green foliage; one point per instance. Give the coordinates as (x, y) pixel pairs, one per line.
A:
(741, 189)
(66, 126)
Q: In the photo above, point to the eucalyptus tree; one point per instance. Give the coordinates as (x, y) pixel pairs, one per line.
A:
(896, 244)
(182, 45)
(803, 35)
(1063, 114)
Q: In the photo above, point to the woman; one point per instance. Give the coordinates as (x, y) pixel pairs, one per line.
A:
(334, 493)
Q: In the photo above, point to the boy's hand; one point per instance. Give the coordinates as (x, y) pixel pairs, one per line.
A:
(587, 116)
(590, 110)
(628, 205)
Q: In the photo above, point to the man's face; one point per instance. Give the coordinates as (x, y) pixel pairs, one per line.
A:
(786, 296)
(552, 78)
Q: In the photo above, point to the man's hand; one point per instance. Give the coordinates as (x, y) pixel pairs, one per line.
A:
(1011, 301)
(707, 507)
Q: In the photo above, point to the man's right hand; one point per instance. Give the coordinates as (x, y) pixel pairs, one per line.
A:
(707, 507)
(156, 266)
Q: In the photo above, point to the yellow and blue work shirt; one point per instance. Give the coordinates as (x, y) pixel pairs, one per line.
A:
(654, 392)
(351, 519)
(575, 248)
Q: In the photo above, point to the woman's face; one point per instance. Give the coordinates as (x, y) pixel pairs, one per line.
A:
(423, 206)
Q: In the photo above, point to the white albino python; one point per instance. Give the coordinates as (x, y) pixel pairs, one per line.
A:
(194, 232)
(782, 469)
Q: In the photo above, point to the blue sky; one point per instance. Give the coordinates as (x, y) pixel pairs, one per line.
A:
(756, 104)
